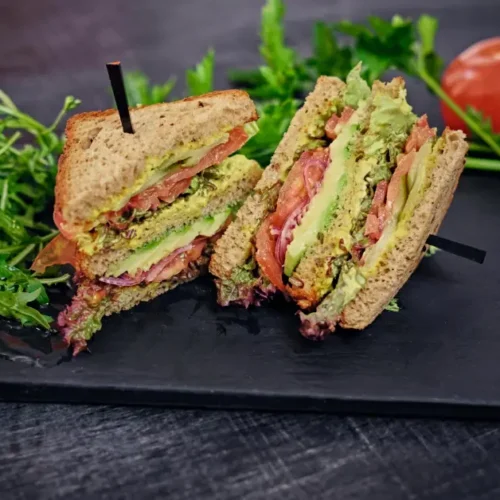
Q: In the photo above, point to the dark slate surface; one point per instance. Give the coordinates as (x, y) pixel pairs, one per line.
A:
(52, 48)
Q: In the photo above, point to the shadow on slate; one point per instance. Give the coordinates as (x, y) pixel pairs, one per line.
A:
(438, 356)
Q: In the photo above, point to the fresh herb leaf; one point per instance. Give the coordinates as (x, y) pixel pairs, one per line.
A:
(140, 93)
(393, 305)
(328, 57)
(15, 305)
(201, 79)
(382, 46)
(274, 120)
(427, 27)
(17, 289)
(431, 250)
(283, 75)
(29, 152)
(246, 78)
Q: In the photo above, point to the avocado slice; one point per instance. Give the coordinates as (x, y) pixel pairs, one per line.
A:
(150, 254)
(325, 201)
(411, 192)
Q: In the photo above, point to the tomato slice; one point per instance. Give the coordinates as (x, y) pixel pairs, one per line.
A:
(265, 257)
(294, 191)
(472, 80)
(300, 185)
(376, 217)
(405, 162)
(420, 134)
(173, 185)
(59, 251)
(180, 262)
(331, 124)
(387, 194)
(177, 182)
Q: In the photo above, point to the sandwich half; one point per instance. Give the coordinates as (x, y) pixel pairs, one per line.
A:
(139, 213)
(340, 219)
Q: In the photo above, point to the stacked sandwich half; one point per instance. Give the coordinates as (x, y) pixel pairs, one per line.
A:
(340, 218)
(139, 213)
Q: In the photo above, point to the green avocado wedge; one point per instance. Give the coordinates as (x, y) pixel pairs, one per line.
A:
(145, 257)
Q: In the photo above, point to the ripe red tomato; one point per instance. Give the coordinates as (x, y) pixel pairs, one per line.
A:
(473, 79)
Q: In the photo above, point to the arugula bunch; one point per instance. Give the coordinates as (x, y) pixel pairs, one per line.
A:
(28, 166)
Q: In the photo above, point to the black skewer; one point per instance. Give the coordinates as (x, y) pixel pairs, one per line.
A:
(118, 86)
(465, 251)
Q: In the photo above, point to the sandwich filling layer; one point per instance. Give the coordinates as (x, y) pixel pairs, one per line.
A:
(308, 199)
(163, 180)
(392, 206)
(373, 160)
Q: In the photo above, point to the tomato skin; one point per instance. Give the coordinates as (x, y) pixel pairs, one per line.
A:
(472, 79)
(59, 251)
(293, 194)
(265, 254)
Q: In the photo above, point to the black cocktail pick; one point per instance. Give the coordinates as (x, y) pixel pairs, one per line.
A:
(465, 251)
(118, 86)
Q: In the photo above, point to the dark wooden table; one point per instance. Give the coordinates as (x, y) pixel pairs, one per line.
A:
(52, 48)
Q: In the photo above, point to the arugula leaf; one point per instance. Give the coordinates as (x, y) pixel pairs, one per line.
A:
(28, 164)
(27, 177)
(274, 120)
(201, 79)
(15, 305)
(17, 289)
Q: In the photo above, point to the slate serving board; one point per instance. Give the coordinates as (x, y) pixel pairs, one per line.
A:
(438, 356)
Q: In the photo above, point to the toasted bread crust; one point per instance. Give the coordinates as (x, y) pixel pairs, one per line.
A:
(237, 244)
(99, 161)
(403, 259)
(125, 298)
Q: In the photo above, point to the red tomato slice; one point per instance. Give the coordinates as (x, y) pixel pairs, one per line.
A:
(405, 162)
(420, 134)
(376, 218)
(265, 257)
(175, 184)
(182, 261)
(294, 191)
(472, 80)
(61, 224)
(59, 251)
(372, 227)
(335, 120)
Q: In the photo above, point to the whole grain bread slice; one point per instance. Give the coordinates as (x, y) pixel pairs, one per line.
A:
(99, 161)
(403, 258)
(119, 299)
(237, 245)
